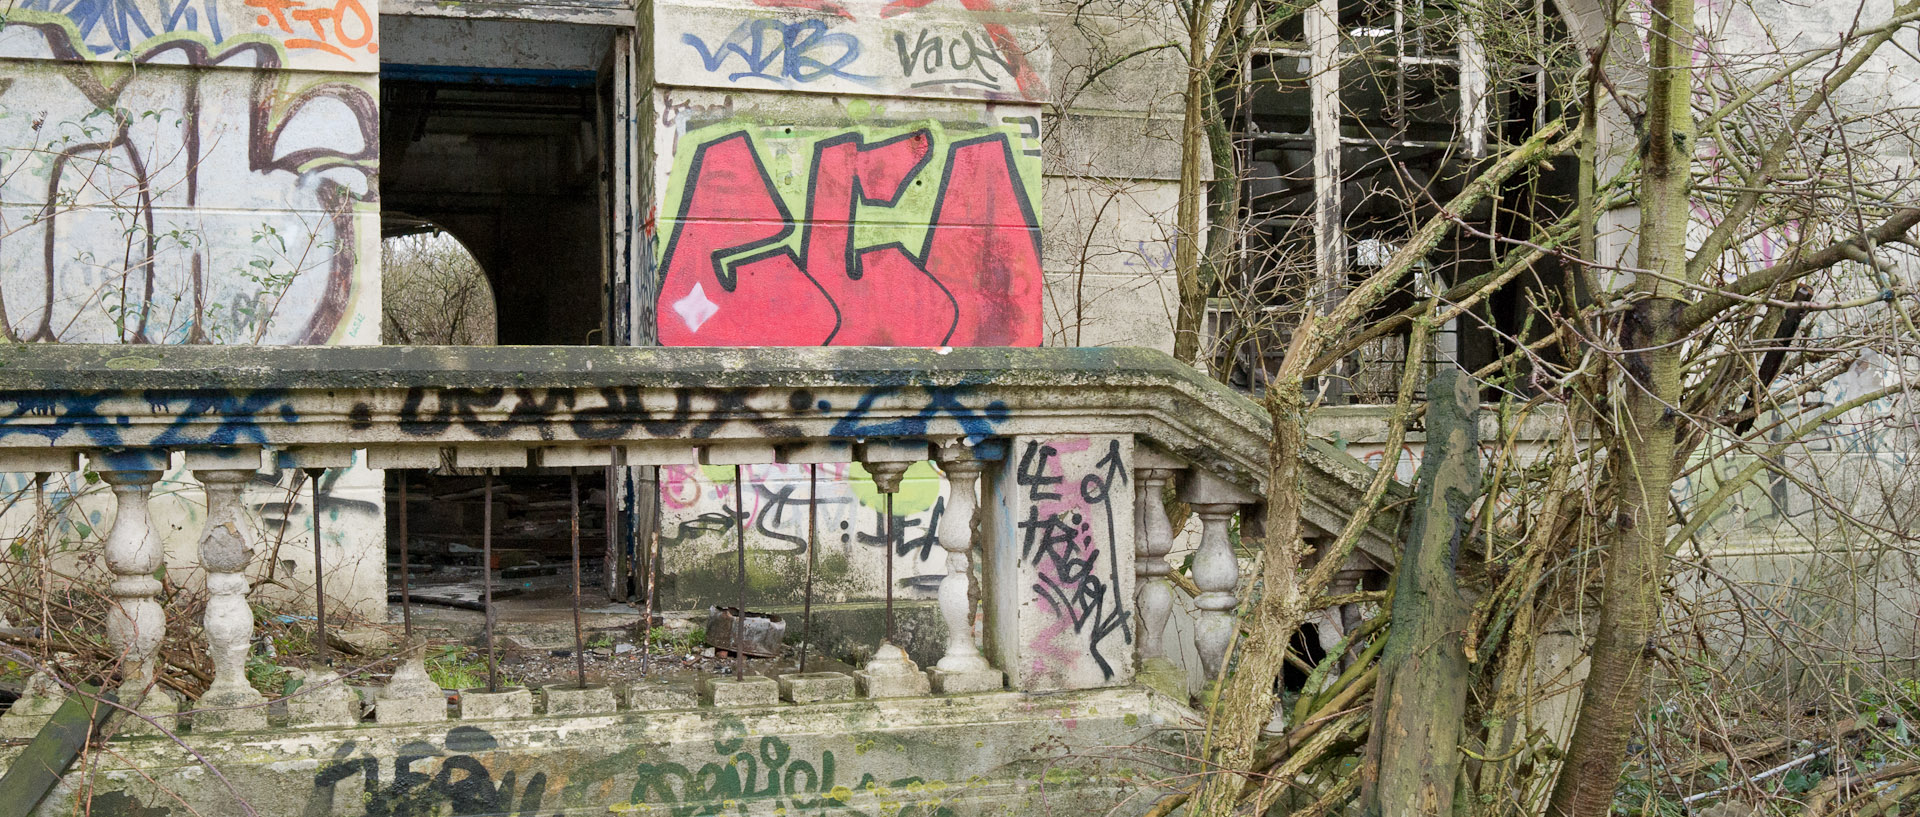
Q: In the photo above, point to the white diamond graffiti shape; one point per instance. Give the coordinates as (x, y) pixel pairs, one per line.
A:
(695, 309)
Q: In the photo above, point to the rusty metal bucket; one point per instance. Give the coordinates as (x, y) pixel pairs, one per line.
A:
(757, 635)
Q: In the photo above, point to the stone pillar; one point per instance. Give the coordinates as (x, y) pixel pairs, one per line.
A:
(135, 623)
(1216, 571)
(230, 703)
(963, 668)
(1060, 563)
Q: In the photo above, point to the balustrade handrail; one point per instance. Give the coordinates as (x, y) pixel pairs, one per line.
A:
(92, 397)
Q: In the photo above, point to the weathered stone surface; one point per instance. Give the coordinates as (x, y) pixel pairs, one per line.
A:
(508, 703)
(953, 683)
(812, 687)
(753, 690)
(568, 699)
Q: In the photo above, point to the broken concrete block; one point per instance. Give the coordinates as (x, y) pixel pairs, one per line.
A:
(753, 690)
(323, 699)
(569, 699)
(891, 674)
(508, 703)
(812, 687)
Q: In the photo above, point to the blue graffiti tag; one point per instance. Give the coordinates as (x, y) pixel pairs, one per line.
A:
(237, 416)
(784, 52)
(110, 26)
(977, 424)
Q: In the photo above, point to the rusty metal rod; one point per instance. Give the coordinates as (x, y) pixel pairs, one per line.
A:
(486, 580)
(616, 590)
(579, 634)
(740, 586)
(813, 555)
(646, 611)
(890, 570)
(319, 592)
(406, 597)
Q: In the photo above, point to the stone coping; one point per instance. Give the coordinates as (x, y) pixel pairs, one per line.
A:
(72, 397)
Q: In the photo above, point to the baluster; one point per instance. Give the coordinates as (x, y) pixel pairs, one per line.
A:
(230, 703)
(963, 668)
(1216, 572)
(1153, 538)
(135, 624)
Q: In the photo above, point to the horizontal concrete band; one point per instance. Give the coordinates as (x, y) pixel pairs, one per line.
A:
(657, 404)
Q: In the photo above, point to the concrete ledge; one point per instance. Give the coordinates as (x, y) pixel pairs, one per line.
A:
(813, 687)
(753, 690)
(969, 756)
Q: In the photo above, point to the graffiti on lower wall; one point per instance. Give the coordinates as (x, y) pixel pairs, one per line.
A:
(908, 235)
(173, 204)
(468, 771)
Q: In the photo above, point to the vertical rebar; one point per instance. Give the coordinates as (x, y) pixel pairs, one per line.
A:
(406, 591)
(579, 635)
(740, 584)
(813, 550)
(319, 593)
(486, 580)
(890, 570)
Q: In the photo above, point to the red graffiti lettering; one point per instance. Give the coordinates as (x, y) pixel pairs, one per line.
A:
(975, 282)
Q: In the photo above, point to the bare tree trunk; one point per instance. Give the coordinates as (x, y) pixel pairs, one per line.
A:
(1193, 148)
(1413, 751)
(1643, 447)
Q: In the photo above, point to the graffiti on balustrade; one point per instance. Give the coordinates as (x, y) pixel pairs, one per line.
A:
(196, 417)
(748, 775)
(335, 35)
(907, 50)
(1068, 538)
(174, 204)
(904, 237)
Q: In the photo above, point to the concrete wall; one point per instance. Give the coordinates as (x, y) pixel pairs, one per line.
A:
(223, 192)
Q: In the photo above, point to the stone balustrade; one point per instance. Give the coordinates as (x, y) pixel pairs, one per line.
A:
(1058, 462)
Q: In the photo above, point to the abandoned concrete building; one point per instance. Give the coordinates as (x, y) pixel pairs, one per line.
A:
(965, 528)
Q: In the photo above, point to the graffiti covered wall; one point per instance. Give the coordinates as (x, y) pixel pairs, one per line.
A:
(201, 171)
(844, 172)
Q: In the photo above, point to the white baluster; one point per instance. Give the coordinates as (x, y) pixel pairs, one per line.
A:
(135, 623)
(963, 668)
(1216, 572)
(230, 703)
(1153, 537)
